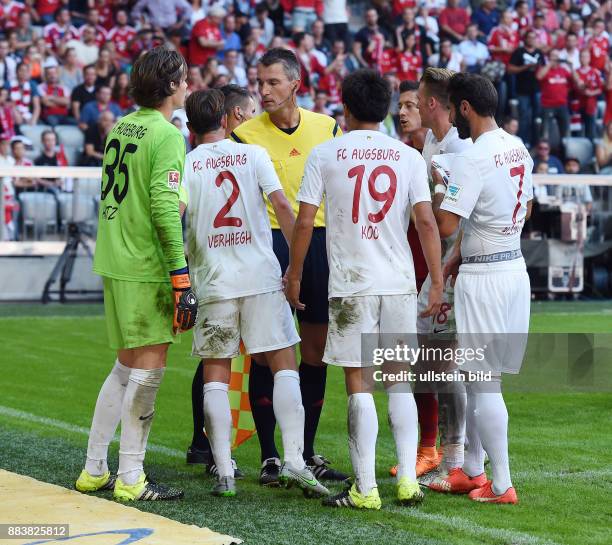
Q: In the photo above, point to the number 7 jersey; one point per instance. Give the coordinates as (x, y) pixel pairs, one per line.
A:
(369, 182)
(229, 239)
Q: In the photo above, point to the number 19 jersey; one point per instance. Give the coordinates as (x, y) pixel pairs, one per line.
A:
(369, 181)
(229, 238)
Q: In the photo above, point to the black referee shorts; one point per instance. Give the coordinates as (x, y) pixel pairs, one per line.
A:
(313, 292)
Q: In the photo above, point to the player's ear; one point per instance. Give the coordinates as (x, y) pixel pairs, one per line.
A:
(224, 121)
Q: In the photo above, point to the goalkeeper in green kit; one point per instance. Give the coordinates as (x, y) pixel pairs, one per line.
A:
(139, 253)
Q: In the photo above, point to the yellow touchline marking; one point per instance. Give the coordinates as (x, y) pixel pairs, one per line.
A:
(24, 500)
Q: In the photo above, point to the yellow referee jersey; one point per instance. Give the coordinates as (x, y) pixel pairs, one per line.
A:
(289, 151)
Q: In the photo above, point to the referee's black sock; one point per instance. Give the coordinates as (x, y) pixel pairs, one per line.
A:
(261, 386)
(312, 384)
(199, 441)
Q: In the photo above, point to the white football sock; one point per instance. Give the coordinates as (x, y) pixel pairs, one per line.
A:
(136, 419)
(107, 415)
(492, 421)
(363, 431)
(474, 455)
(289, 413)
(218, 421)
(403, 420)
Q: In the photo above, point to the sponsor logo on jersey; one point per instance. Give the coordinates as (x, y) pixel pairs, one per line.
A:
(452, 192)
(174, 179)
(294, 153)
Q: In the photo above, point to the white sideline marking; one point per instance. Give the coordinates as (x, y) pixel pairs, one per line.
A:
(469, 527)
(59, 424)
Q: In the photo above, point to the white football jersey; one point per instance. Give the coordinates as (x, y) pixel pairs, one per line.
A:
(490, 185)
(369, 181)
(451, 143)
(229, 239)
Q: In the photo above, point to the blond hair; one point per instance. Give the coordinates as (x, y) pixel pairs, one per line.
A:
(436, 83)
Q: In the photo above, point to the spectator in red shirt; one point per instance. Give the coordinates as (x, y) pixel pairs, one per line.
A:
(206, 37)
(55, 99)
(503, 39)
(453, 22)
(543, 39)
(409, 61)
(120, 94)
(591, 87)
(7, 115)
(61, 31)
(23, 93)
(93, 21)
(121, 35)
(310, 67)
(304, 13)
(599, 45)
(522, 17)
(555, 80)
(9, 13)
(45, 10)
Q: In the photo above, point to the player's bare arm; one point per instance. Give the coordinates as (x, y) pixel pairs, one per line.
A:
(284, 213)
(430, 241)
(300, 241)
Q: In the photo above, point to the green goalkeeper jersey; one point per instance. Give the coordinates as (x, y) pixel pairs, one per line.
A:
(139, 233)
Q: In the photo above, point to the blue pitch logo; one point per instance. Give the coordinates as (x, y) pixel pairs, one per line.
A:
(133, 535)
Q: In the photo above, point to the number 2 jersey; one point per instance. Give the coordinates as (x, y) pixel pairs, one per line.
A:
(490, 185)
(229, 239)
(139, 230)
(370, 181)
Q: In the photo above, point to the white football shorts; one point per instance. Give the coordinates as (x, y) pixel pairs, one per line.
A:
(264, 322)
(390, 319)
(441, 326)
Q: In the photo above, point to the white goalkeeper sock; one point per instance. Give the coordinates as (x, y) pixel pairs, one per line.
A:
(289, 413)
(136, 419)
(363, 431)
(218, 421)
(107, 415)
(492, 421)
(403, 420)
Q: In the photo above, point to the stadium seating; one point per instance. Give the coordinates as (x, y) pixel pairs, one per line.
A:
(39, 213)
(582, 149)
(33, 133)
(82, 210)
(73, 140)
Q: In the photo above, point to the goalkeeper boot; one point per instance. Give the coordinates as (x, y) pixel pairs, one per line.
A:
(409, 492)
(211, 469)
(319, 465)
(90, 483)
(302, 478)
(351, 497)
(225, 487)
(485, 494)
(146, 490)
(457, 482)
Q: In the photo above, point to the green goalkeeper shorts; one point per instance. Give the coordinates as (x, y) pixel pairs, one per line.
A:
(138, 313)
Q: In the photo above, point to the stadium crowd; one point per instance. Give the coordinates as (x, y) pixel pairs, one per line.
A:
(65, 64)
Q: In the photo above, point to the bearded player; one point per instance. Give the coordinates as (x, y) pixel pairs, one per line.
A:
(139, 254)
(370, 182)
(491, 190)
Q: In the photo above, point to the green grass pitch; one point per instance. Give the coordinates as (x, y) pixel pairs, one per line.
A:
(55, 358)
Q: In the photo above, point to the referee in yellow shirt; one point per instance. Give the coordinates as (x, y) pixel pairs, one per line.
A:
(289, 133)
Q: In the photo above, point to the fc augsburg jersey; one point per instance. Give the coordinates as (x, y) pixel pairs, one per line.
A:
(139, 233)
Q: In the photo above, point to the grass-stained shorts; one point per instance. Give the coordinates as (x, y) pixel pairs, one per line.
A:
(138, 313)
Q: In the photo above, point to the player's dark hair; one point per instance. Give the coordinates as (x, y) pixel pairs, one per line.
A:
(436, 81)
(476, 90)
(367, 95)
(204, 110)
(279, 55)
(408, 85)
(234, 96)
(152, 74)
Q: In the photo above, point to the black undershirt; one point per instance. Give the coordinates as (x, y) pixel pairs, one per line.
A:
(290, 130)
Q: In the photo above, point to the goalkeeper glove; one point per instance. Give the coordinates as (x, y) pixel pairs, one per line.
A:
(185, 301)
